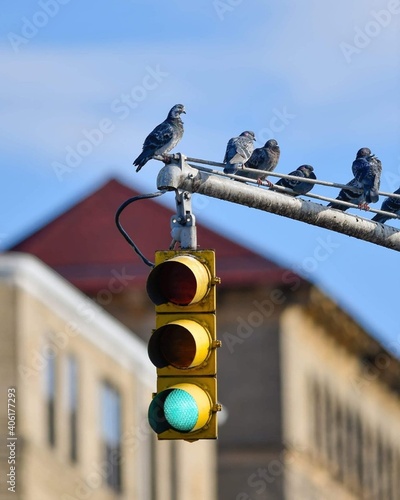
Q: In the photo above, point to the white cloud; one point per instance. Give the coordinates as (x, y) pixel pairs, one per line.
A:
(56, 97)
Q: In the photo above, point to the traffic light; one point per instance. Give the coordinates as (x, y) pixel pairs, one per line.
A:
(183, 345)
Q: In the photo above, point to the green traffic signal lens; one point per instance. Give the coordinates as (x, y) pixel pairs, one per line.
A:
(180, 410)
(183, 408)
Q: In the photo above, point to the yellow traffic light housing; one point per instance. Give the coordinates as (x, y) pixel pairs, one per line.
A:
(185, 410)
(183, 278)
(183, 345)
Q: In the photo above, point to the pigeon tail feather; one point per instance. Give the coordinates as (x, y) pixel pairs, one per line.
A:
(380, 218)
(142, 159)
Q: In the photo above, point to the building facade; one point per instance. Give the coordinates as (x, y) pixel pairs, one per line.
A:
(310, 399)
(77, 384)
(341, 396)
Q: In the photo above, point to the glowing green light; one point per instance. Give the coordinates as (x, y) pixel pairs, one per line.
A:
(180, 410)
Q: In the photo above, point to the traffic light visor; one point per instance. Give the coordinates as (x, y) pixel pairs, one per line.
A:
(182, 407)
(182, 343)
(182, 280)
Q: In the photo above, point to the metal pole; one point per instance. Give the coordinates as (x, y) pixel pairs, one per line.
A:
(181, 175)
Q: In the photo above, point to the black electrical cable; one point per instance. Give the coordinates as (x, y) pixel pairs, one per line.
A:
(122, 230)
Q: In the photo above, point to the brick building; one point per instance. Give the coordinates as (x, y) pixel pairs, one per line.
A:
(302, 418)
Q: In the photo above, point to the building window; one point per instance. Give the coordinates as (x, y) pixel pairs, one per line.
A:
(359, 447)
(72, 405)
(357, 455)
(317, 417)
(339, 445)
(111, 434)
(50, 394)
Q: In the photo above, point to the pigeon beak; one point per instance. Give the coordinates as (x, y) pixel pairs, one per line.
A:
(183, 110)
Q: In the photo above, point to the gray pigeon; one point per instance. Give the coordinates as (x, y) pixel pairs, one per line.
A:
(264, 159)
(238, 151)
(305, 171)
(350, 195)
(367, 170)
(389, 205)
(163, 138)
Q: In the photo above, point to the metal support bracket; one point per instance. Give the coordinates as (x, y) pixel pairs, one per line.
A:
(183, 223)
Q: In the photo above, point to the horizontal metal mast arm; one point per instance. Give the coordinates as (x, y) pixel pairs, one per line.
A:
(174, 176)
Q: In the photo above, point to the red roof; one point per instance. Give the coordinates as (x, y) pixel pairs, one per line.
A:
(85, 247)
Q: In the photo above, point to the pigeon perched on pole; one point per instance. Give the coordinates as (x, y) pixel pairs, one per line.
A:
(299, 187)
(163, 138)
(238, 151)
(264, 159)
(353, 194)
(389, 205)
(367, 170)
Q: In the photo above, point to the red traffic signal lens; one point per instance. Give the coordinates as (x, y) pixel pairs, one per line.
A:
(182, 280)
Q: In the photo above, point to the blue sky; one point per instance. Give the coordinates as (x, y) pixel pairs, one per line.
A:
(323, 79)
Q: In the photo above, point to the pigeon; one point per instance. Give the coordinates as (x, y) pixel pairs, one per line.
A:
(305, 171)
(350, 195)
(389, 205)
(264, 159)
(367, 170)
(238, 151)
(163, 138)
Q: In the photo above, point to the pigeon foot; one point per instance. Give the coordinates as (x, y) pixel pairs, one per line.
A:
(166, 159)
(268, 183)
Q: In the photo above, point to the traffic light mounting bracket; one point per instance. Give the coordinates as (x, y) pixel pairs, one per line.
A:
(183, 223)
